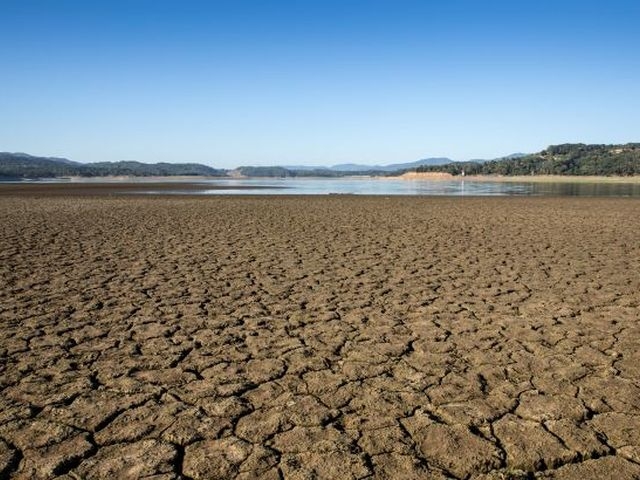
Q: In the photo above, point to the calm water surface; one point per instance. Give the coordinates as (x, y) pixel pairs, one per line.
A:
(376, 186)
(384, 186)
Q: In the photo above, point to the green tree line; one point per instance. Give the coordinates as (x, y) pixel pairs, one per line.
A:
(566, 159)
(20, 166)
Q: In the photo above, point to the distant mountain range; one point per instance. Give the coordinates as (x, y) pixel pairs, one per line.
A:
(354, 167)
(566, 159)
(23, 166)
(348, 169)
(341, 170)
(358, 167)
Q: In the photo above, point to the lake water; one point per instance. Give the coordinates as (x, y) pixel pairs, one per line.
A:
(377, 186)
(380, 186)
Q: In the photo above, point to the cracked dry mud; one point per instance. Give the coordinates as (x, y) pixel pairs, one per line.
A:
(319, 337)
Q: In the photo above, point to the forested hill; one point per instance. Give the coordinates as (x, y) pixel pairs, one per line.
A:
(21, 165)
(566, 159)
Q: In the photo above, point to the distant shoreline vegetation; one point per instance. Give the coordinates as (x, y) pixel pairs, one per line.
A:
(576, 159)
(283, 172)
(564, 160)
(22, 166)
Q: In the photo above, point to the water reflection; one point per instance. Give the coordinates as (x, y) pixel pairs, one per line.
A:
(376, 186)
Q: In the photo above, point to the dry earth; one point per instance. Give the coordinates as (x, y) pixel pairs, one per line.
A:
(318, 337)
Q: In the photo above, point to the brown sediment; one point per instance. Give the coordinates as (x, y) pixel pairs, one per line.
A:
(114, 188)
(318, 337)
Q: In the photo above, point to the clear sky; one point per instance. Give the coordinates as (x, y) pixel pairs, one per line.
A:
(241, 82)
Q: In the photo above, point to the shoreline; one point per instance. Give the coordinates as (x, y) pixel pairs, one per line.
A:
(74, 189)
(518, 178)
(430, 176)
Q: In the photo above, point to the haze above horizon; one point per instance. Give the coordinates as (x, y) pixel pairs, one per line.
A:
(229, 83)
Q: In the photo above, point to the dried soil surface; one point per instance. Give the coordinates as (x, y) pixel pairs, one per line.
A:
(318, 337)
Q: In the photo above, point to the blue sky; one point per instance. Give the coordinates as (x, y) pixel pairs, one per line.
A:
(242, 82)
